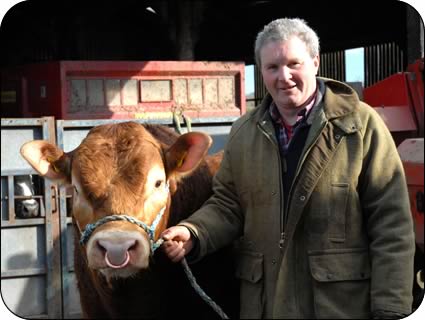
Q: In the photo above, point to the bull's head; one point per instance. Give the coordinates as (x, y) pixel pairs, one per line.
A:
(119, 169)
(25, 208)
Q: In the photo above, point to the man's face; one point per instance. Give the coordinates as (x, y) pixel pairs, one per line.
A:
(289, 72)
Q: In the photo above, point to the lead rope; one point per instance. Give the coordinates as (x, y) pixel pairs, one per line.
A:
(150, 230)
(201, 292)
(189, 274)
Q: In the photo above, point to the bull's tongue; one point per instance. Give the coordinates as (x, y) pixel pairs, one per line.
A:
(116, 260)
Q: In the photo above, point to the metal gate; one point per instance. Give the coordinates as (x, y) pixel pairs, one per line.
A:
(37, 267)
(30, 249)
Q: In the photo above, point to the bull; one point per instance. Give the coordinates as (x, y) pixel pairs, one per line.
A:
(130, 182)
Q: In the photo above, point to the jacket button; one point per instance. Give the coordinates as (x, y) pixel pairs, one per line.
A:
(337, 136)
(329, 276)
(274, 261)
(273, 193)
(302, 198)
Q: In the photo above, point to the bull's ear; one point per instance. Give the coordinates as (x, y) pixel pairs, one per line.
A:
(187, 152)
(47, 159)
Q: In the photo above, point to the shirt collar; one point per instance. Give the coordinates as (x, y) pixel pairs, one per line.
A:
(302, 114)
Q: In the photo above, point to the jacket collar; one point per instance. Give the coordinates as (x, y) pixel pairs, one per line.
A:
(338, 105)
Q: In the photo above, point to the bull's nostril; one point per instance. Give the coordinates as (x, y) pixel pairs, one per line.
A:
(100, 247)
(133, 246)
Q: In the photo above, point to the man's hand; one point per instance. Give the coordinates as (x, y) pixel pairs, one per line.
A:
(177, 242)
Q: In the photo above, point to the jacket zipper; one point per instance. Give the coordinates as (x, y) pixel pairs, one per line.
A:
(300, 164)
(281, 216)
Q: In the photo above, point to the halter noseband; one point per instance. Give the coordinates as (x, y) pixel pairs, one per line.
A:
(150, 230)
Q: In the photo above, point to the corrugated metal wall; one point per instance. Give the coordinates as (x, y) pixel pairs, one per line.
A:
(332, 65)
(381, 61)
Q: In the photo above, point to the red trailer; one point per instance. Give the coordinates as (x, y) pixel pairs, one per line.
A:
(123, 89)
(399, 99)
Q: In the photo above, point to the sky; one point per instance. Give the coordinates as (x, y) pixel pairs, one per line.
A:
(249, 79)
(354, 66)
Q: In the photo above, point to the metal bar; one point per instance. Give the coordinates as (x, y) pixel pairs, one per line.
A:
(373, 57)
(22, 273)
(22, 223)
(60, 131)
(11, 200)
(37, 316)
(384, 61)
(66, 277)
(166, 121)
(53, 257)
(42, 207)
(20, 122)
(61, 126)
(366, 66)
(392, 62)
(18, 172)
(28, 197)
(340, 66)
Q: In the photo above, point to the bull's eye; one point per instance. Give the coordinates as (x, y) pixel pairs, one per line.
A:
(158, 183)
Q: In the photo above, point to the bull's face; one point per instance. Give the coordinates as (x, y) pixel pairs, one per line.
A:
(119, 169)
(28, 208)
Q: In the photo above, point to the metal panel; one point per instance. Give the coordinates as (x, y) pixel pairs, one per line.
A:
(129, 89)
(381, 61)
(30, 257)
(28, 296)
(332, 65)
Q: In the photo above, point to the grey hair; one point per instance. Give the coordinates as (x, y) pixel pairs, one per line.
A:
(280, 30)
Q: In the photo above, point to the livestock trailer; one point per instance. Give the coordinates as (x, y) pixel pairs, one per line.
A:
(30, 248)
(123, 89)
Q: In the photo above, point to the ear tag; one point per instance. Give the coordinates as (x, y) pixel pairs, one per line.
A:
(181, 160)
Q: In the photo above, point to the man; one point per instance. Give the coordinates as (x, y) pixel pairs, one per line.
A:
(312, 187)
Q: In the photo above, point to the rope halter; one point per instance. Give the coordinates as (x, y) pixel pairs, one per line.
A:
(150, 230)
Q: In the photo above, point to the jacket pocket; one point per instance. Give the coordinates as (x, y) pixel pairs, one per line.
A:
(341, 283)
(249, 269)
(337, 215)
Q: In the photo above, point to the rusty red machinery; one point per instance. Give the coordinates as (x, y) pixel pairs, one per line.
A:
(399, 99)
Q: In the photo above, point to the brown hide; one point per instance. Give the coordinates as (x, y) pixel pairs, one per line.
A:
(162, 290)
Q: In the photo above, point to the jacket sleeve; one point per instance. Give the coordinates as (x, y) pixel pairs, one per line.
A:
(385, 202)
(219, 221)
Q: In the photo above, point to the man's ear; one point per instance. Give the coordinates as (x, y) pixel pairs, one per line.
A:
(48, 160)
(316, 62)
(187, 152)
